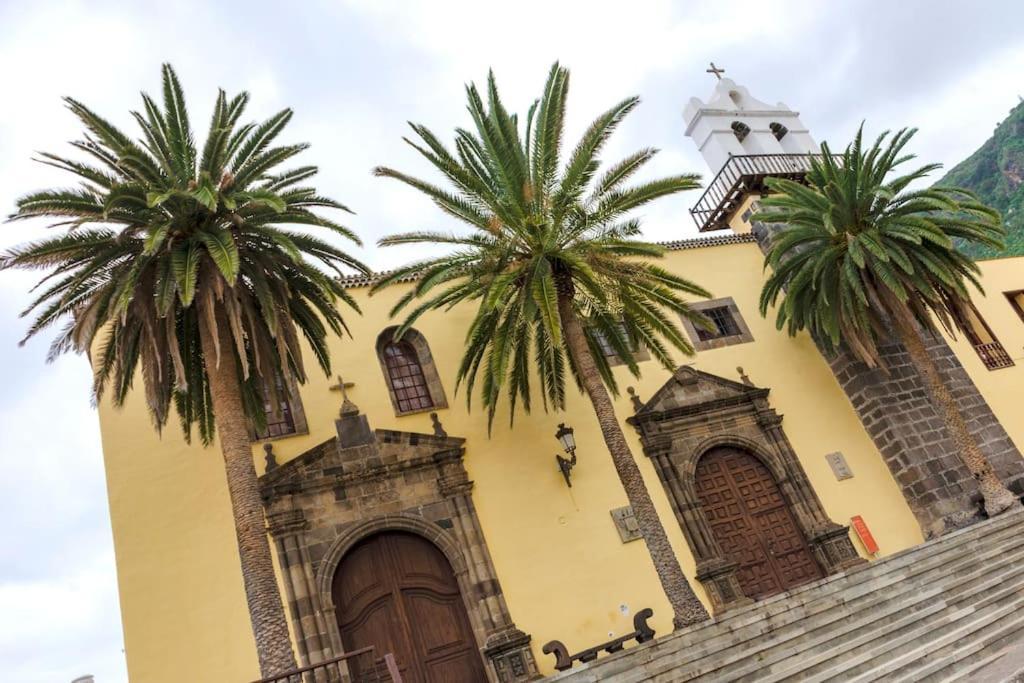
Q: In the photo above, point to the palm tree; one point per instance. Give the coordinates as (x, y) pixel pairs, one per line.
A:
(553, 264)
(860, 255)
(172, 262)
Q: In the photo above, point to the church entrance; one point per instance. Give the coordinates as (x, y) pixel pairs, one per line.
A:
(753, 523)
(396, 591)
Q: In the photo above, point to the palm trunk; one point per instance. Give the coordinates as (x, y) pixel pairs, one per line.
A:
(687, 609)
(266, 613)
(996, 496)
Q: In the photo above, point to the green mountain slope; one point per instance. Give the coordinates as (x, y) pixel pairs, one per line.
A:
(996, 173)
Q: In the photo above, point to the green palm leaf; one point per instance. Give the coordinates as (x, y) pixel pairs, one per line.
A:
(534, 229)
(854, 235)
(156, 227)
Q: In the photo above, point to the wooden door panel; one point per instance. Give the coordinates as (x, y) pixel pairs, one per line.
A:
(363, 583)
(376, 626)
(397, 592)
(459, 667)
(438, 619)
(414, 564)
(752, 523)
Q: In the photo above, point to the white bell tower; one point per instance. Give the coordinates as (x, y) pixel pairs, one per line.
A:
(733, 123)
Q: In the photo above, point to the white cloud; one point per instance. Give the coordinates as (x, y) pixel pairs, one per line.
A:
(55, 630)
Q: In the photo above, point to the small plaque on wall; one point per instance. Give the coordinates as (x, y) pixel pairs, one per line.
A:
(626, 524)
(839, 467)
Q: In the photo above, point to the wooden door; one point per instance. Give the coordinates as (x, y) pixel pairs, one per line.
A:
(753, 524)
(396, 591)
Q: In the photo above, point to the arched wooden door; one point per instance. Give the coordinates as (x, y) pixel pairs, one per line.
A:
(752, 523)
(397, 592)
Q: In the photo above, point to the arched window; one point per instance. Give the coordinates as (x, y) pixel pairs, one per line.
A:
(288, 419)
(406, 377)
(409, 372)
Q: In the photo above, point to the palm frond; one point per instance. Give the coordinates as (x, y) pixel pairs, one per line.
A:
(177, 231)
(535, 234)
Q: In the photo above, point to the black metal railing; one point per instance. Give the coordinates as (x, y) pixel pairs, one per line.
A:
(358, 666)
(739, 176)
(993, 355)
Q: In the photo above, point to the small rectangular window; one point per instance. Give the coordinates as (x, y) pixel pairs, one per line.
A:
(724, 324)
(280, 422)
(727, 325)
(605, 344)
(981, 337)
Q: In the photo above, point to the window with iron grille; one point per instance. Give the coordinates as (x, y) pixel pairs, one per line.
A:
(639, 351)
(605, 344)
(280, 422)
(406, 376)
(993, 355)
(723, 322)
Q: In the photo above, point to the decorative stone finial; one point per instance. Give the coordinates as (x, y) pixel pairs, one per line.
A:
(268, 449)
(743, 376)
(347, 406)
(438, 427)
(637, 403)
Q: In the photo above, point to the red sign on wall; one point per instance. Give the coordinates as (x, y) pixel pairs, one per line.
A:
(864, 533)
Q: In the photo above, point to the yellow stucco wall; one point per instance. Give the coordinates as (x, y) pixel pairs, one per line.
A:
(1002, 388)
(561, 564)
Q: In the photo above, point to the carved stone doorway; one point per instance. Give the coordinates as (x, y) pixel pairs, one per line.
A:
(408, 498)
(697, 415)
(397, 591)
(753, 524)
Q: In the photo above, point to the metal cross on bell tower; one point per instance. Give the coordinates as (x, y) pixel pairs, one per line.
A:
(716, 71)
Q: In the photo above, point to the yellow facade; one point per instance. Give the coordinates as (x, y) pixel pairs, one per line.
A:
(564, 571)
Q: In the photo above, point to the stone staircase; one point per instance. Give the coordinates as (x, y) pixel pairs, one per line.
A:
(940, 611)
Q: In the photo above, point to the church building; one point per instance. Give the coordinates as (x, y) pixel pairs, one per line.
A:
(397, 521)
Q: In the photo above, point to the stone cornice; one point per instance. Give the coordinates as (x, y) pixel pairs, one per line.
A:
(697, 408)
(353, 281)
(339, 477)
(292, 476)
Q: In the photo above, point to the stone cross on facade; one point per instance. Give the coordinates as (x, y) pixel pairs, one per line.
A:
(716, 71)
(347, 406)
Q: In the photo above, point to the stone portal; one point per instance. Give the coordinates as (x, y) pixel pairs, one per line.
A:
(327, 506)
(725, 462)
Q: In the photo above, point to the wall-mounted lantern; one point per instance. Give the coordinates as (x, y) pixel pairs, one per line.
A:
(568, 441)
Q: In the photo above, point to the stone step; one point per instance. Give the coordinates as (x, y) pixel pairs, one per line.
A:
(970, 671)
(780, 654)
(947, 544)
(839, 588)
(864, 596)
(974, 585)
(915, 660)
(929, 612)
(888, 645)
(956, 659)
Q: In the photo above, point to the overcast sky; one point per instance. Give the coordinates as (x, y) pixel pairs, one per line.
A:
(355, 72)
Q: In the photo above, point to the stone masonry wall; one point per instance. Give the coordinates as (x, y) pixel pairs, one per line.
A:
(894, 408)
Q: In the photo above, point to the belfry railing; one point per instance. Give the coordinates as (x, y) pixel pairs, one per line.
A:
(358, 666)
(742, 175)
